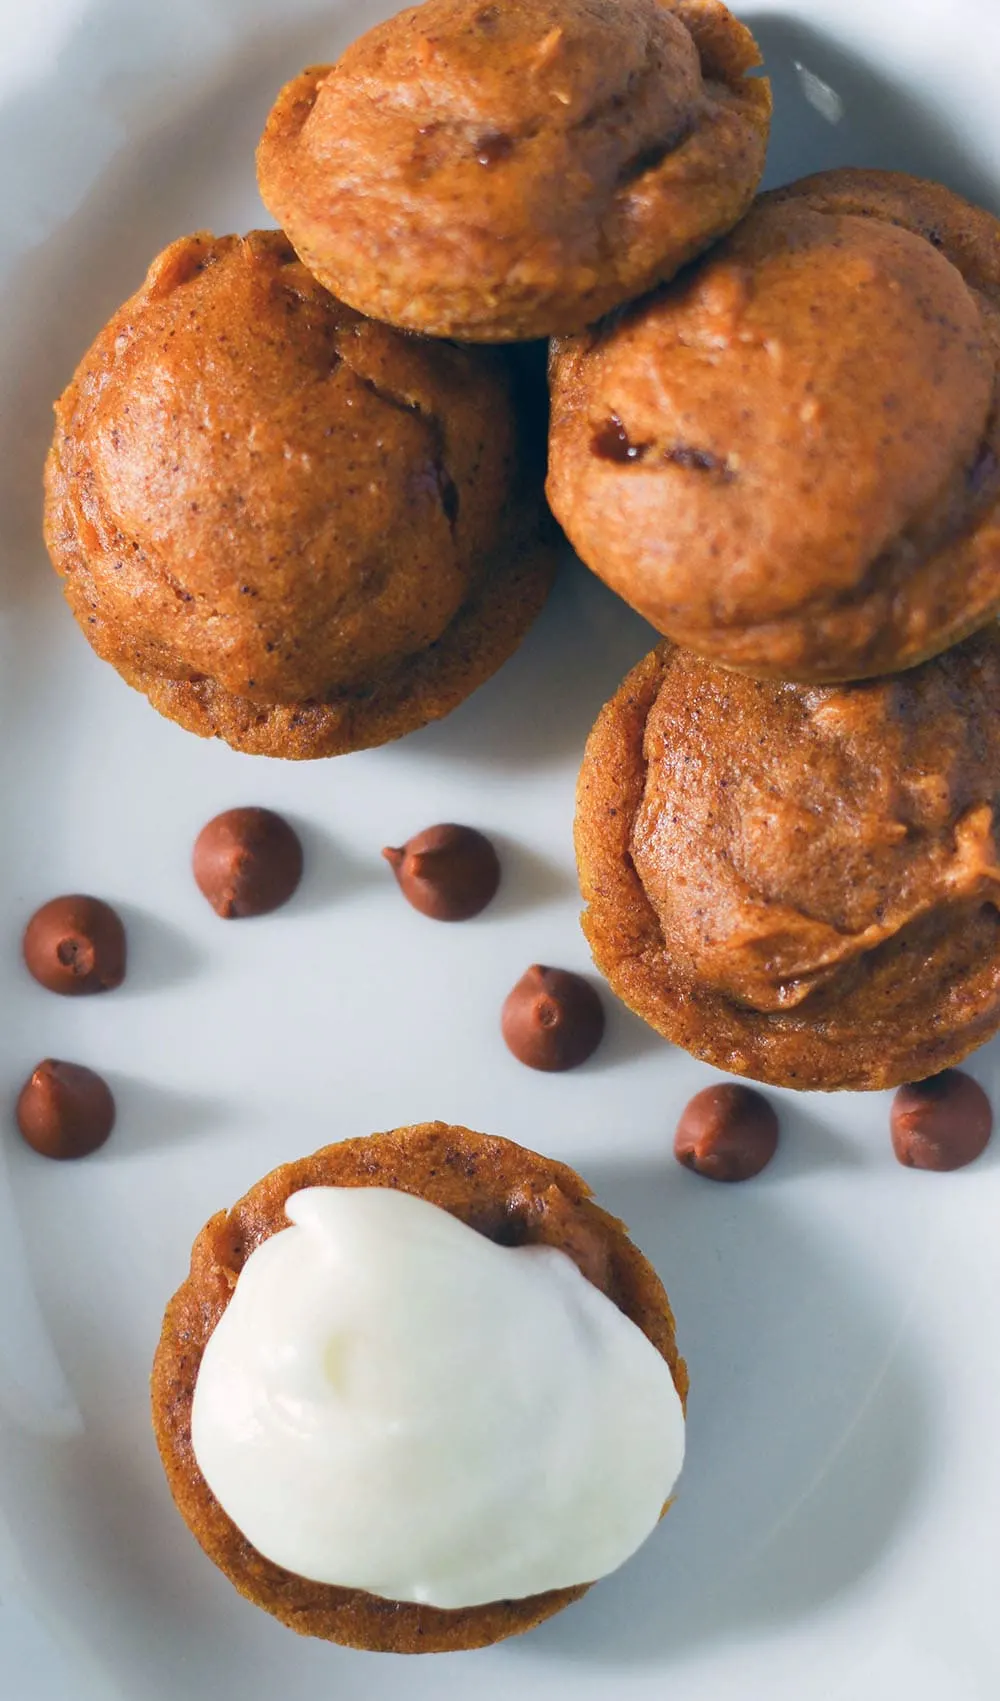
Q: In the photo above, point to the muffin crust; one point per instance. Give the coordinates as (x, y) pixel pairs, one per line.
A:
(500, 172)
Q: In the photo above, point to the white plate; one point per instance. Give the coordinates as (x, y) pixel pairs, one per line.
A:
(836, 1534)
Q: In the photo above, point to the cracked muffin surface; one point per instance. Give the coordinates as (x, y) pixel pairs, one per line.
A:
(789, 459)
(800, 883)
(502, 1190)
(290, 526)
(507, 171)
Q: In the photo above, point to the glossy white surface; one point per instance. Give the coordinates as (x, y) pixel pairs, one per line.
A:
(392, 1402)
(836, 1535)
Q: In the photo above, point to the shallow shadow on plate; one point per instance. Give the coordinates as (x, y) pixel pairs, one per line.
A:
(150, 1115)
(833, 108)
(528, 880)
(626, 1036)
(808, 1432)
(331, 874)
(808, 1144)
(160, 956)
(540, 707)
(120, 1574)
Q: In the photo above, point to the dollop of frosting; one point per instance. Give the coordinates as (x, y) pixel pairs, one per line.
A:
(393, 1402)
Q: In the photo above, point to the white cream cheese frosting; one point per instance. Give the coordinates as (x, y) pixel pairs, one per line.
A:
(392, 1402)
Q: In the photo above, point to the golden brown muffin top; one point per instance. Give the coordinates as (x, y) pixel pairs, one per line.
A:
(500, 1189)
(800, 883)
(787, 832)
(255, 485)
(506, 170)
(788, 459)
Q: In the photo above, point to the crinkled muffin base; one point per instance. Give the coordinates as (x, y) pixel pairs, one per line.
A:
(425, 688)
(921, 1005)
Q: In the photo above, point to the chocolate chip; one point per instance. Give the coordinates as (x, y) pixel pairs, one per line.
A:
(942, 1124)
(247, 862)
(727, 1133)
(447, 872)
(75, 945)
(552, 1019)
(698, 460)
(611, 442)
(65, 1110)
(492, 148)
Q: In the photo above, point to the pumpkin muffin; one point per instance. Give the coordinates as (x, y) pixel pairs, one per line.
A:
(506, 171)
(503, 1191)
(800, 883)
(291, 528)
(789, 460)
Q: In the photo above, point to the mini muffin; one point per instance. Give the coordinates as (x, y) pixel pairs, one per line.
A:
(291, 528)
(800, 883)
(510, 1195)
(788, 460)
(506, 171)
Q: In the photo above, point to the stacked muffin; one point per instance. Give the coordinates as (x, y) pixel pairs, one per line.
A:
(284, 503)
(789, 461)
(291, 527)
(294, 511)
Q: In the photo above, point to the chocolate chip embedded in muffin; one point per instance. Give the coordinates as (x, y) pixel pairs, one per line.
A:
(727, 1132)
(477, 1178)
(552, 1020)
(504, 172)
(753, 457)
(64, 1110)
(247, 862)
(941, 1124)
(75, 945)
(447, 872)
(356, 539)
(800, 883)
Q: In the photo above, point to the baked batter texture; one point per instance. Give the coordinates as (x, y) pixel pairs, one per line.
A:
(789, 459)
(800, 883)
(501, 171)
(290, 527)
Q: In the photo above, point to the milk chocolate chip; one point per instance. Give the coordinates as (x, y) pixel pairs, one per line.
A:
(65, 1110)
(552, 1019)
(447, 872)
(75, 945)
(247, 862)
(727, 1132)
(944, 1123)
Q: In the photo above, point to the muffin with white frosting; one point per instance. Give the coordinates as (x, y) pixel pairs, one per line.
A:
(418, 1392)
